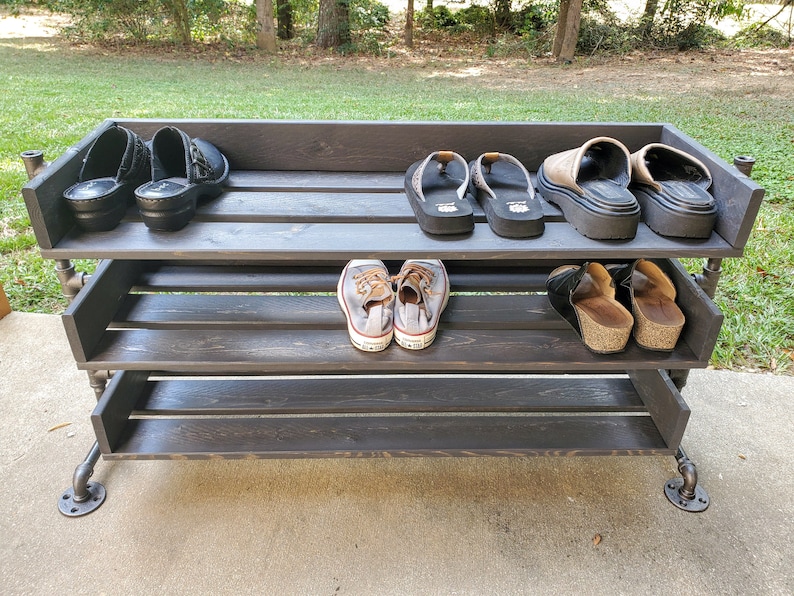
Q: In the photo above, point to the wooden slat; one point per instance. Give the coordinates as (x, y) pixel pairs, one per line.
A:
(668, 409)
(321, 207)
(169, 311)
(334, 242)
(391, 436)
(329, 351)
(337, 395)
(465, 276)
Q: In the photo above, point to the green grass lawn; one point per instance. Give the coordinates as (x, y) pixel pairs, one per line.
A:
(53, 95)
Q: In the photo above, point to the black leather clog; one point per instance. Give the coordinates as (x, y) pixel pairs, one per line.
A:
(184, 170)
(116, 164)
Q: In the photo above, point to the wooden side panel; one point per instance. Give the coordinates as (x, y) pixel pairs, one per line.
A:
(738, 197)
(49, 215)
(87, 317)
(703, 318)
(665, 404)
(109, 418)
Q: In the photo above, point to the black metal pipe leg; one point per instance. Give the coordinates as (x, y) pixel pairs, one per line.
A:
(83, 497)
(684, 492)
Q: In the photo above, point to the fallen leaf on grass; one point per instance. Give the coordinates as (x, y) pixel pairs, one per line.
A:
(596, 539)
(57, 426)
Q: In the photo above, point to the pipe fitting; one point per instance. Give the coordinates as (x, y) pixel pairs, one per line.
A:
(710, 277)
(34, 162)
(744, 163)
(71, 281)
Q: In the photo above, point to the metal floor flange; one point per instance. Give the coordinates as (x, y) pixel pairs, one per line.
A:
(71, 507)
(684, 492)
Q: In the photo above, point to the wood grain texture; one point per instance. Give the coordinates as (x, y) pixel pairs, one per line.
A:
(323, 242)
(385, 394)
(329, 351)
(92, 310)
(169, 311)
(113, 409)
(392, 436)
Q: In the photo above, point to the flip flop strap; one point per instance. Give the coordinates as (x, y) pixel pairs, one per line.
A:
(487, 159)
(443, 158)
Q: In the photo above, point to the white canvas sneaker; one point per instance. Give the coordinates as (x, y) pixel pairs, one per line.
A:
(366, 296)
(422, 294)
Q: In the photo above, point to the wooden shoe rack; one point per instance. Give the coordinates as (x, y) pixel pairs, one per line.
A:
(225, 339)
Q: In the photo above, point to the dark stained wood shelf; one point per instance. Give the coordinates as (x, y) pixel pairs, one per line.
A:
(225, 339)
(372, 417)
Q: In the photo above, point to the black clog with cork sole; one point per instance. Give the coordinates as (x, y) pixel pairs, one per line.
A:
(650, 294)
(585, 297)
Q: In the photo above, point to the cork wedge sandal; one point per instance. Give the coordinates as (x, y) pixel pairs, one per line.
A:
(585, 297)
(650, 294)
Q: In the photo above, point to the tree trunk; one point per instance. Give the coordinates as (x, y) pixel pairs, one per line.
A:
(648, 15)
(286, 30)
(409, 24)
(333, 26)
(265, 32)
(502, 14)
(567, 31)
(562, 18)
(181, 16)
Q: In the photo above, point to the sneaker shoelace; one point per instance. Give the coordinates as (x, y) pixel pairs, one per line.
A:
(373, 282)
(417, 274)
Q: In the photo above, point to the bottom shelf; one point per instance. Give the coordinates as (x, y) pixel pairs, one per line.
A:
(145, 417)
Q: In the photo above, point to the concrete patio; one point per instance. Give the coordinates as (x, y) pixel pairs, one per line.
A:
(390, 526)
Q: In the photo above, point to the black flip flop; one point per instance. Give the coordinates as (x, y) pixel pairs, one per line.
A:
(438, 193)
(504, 190)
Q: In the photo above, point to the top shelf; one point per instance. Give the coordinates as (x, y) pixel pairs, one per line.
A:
(300, 191)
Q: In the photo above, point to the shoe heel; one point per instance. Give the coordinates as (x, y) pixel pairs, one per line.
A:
(654, 336)
(606, 326)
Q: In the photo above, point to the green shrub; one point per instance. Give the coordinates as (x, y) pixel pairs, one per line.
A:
(439, 17)
(764, 36)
